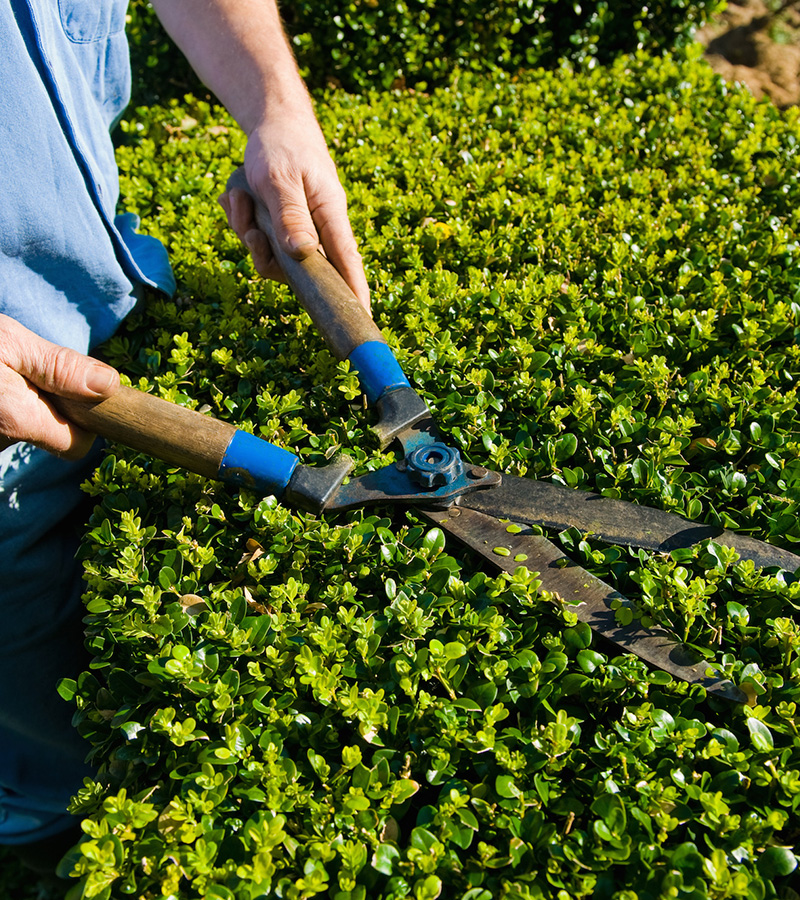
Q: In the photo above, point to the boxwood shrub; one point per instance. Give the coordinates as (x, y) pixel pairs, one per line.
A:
(593, 280)
(362, 43)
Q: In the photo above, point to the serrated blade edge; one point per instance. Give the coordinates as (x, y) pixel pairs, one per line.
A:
(615, 521)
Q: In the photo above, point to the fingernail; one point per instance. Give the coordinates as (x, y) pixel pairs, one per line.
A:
(303, 242)
(100, 378)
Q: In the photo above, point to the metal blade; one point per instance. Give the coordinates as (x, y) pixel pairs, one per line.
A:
(587, 596)
(394, 484)
(615, 521)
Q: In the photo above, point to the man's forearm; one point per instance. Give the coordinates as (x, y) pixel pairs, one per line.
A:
(239, 49)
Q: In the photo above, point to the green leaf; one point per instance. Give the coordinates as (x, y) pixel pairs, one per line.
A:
(611, 810)
(483, 693)
(589, 660)
(506, 786)
(434, 541)
(167, 578)
(775, 862)
(422, 839)
(760, 735)
(454, 650)
(467, 705)
(219, 892)
(578, 637)
(428, 888)
(67, 689)
(566, 446)
(384, 858)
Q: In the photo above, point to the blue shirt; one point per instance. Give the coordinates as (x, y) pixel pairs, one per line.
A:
(70, 268)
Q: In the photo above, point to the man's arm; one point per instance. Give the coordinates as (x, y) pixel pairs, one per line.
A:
(239, 49)
(30, 364)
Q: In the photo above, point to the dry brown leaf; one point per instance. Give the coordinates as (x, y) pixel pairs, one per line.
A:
(391, 830)
(254, 604)
(192, 604)
(698, 444)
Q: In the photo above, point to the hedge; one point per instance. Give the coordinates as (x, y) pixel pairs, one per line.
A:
(592, 278)
(362, 44)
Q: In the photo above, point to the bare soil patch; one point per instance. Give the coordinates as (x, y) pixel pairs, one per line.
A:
(759, 45)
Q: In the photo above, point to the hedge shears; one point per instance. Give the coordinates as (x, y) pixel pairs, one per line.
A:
(490, 512)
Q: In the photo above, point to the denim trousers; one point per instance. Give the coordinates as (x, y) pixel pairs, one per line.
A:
(41, 641)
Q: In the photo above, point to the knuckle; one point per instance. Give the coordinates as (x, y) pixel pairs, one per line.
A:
(26, 416)
(13, 391)
(241, 212)
(8, 338)
(329, 200)
(62, 368)
(281, 181)
(347, 250)
(293, 214)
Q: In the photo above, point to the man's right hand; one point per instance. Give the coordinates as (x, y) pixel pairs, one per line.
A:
(30, 368)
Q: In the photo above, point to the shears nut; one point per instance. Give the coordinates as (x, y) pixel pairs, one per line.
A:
(434, 465)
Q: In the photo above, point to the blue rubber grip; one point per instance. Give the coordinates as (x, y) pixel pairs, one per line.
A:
(377, 369)
(254, 463)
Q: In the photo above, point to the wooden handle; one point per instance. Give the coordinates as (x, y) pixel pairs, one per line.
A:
(157, 427)
(336, 312)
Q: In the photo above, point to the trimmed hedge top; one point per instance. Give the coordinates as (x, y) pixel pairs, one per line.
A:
(592, 279)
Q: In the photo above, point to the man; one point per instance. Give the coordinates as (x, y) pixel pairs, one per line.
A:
(69, 273)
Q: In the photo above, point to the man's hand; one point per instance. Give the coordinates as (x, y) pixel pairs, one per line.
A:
(288, 165)
(30, 365)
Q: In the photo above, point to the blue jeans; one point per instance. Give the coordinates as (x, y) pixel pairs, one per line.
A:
(41, 640)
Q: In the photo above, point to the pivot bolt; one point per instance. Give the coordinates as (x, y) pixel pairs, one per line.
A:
(434, 465)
